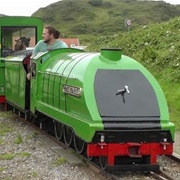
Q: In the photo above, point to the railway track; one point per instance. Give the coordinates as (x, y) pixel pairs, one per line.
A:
(175, 157)
(161, 175)
(164, 175)
(93, 165)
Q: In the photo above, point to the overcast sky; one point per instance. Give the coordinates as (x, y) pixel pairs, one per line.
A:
(28, 7)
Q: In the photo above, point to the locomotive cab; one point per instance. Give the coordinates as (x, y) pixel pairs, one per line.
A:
(17, 33)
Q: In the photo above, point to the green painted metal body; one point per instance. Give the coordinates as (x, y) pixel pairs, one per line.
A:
(15, 76)
(10, 25)
(77, 69)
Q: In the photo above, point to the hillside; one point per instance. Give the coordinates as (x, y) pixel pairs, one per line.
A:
(74, 17)
(155, 45)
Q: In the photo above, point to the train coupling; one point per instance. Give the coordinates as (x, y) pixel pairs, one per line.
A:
(134, 150)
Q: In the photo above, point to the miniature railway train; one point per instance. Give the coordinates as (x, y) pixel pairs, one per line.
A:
(105, 104)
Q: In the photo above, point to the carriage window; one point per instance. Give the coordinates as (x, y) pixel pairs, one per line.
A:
(16, 39)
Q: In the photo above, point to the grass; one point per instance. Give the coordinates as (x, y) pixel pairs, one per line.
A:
(23, 154)
(33, 135)
(6, 114)
(18, 139)
(172, 93)
(2, 169)
(10, 156)
(1, 141)
(4, 126)
(33, 174)
(7, 156)
(59, 161)
(4, 129)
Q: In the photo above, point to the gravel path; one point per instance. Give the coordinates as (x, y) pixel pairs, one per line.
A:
(23, 156)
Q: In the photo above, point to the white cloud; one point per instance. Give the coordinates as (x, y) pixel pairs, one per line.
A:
(173, 1)
(23, 7)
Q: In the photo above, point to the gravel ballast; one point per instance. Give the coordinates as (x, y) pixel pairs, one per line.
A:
(24, 156)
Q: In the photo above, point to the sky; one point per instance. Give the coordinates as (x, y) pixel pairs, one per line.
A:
(28, 7)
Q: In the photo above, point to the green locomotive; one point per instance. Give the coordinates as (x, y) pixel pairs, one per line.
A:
(107, 104)
(13, 28)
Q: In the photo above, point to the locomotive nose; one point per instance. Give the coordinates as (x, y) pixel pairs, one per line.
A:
(111, 54)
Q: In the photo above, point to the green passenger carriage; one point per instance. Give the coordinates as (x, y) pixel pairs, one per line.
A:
(11, 29)
(106, 104)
